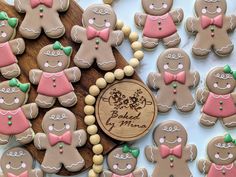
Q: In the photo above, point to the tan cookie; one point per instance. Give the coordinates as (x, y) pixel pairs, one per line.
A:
(9, 47)
(159, 23)
(14, 113)
(171, 152)
(174, 81)
(54, 77)
(97, 37)
(122, 162)
(222, 155)
(218, 99)
(60, 140)
(41, 15)
(212, 24)
(18, 162)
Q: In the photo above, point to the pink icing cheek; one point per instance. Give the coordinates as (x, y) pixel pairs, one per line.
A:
(217, 156)
(46, 65)
(16, 100)
(50, 128)
(3, 35)
(218, 10)
(91, 21)
(215, 85)
(164, 6)
(107, 24)
(129, 166)
(60, 64)
(67, 126)
(23, 165)
(1, 100)
(204, 11)
(115, 166)
(179, 140)
(8, 166)
(228, 86)
(161, 140)
(151, 6)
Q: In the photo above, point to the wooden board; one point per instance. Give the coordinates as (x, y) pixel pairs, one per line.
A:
(27, 61)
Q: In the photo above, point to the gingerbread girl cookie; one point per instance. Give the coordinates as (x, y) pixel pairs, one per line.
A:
(171, 152)
(174, 81)
(218, 99)
(54, 77)
(222, 155)
(98, 36)
(14, 113)
(212, 24)
(159, 23)
(9, 47)
(41, 14)
(60, 141)
(18, 162)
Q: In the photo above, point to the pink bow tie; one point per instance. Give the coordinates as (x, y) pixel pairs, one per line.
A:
(35, 3)
(54, 139)
(92, 33)
(180, 77)
(206, 21)
(24, 174)
(166, 151)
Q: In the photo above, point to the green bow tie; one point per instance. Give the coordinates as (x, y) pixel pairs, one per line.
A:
(228, 139)
(16, 83)
(67, 50)
(134, 151)
(11, 21)
(228, 70)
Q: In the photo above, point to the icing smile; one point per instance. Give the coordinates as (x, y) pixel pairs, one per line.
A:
(155, 7)
(99, 26)
(230, 156)
(9, 104)
(171, 142)
(222, 88)
(59, 130)
(8, 166)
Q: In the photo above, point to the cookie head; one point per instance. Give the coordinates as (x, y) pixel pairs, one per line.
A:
(154, 7)
(59, 121)
(16, 161)
(221, 152)
(210, 8)
(54, 58)
(220, 80)
(13, 94)
(99, 17)
(171, 134)
(173, 61)
(122, 161)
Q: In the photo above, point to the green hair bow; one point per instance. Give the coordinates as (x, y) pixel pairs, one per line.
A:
(11, 21)
(67, 50)
(16, 83)
(134, 151)
(228, 70)
(228, 139)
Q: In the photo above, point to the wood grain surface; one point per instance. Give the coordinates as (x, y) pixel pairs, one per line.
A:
(27, 61)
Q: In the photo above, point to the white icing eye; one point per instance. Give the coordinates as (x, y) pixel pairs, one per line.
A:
(179, 140)
(4, 34)
(215, 85)
(16, 100)
(151, 6)
(228, 86)
(217, 156)
(230, 156)
(46, 64)
(218, 10)
(107, 24)
(23, 165)
(129, 166)
(1, 100)
(161, 140)
(67, 126)
(59, 64)
(91, 21)
(115, 166)
(164, 5)
(50, 128)
(8, 166)
(166, 67)
(204, 11)
(180, 66)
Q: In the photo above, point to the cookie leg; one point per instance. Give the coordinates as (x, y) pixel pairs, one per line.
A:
(74, 162)
(26, 137)
(229, 122)
(53, 27)
(4, 139)
(30, 28)
(150, 43)
(83, 58)
(68, 100)
(172, 41)
(164, 103)
(106, 60)
(11, 71)
(201, 47)
(185, 103)
(224, 47)
(44, 101)
(207, 120)
(50, 165)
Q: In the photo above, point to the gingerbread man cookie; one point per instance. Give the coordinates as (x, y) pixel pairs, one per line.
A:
(222, 155)
(122, 163)
(98, 37)
(60, 141)
(41, 14)
(159, 23)
(14, 113)
(174, 81)
(218, 99)
(18, 162)
(9, 47)
(54, 77)
(171, 152)
(212, 24)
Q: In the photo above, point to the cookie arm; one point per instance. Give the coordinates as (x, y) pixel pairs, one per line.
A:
(151, 153)
(41, 141)
(35, 76)
(30, 110)
(193, 79)
(17, 46)
(78, 34)
(202, 95)
(36, 173)
(106, 174)
(234, 97)
(192, 25)
(21, 5)
(140, 19)
(62, 5)
(230, 22)
(177, 15)
(73, 74)
(204, 166)
(190, 152)
(80, 138)
(116, 38)
(141, 172)
(154, 80)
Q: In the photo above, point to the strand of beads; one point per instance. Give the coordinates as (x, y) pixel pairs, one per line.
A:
(95, 90)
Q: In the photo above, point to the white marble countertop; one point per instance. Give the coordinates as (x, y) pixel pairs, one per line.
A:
(198, 135)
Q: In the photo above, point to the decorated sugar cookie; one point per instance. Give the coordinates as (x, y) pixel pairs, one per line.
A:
(212, 24)
(9, 47)
(171, 152)
(53, 77)
(60, 140)
(18, 162)
(98, 36)
(218, 99)
(173, 81)
(122, 163)
(41, 14)
(14, 113)
(222, 155)
(159, 23)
